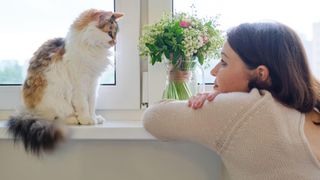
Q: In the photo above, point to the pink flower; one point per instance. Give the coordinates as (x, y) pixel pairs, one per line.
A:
(184, 24)
(205, 39)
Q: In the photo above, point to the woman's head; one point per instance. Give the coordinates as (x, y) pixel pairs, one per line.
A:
(269, 56)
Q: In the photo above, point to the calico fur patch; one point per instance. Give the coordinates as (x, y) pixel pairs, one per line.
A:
(86, 17)
(39, 136)
(35, 84)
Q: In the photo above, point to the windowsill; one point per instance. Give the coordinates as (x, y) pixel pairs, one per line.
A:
(110, 130)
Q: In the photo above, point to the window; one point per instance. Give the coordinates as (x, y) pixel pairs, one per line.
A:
(25, 25)
(302, 16)
(35, 22)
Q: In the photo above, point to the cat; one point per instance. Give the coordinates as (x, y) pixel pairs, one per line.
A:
(62, 80)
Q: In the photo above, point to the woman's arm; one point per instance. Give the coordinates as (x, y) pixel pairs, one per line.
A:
(174, 120)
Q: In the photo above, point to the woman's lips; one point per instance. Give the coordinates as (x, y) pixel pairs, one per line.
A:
(215, 85)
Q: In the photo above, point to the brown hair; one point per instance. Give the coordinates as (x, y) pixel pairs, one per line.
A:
(280, 49)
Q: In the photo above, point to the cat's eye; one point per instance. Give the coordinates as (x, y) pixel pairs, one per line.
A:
(110, 34)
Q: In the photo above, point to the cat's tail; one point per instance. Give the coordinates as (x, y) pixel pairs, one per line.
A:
(38, 135)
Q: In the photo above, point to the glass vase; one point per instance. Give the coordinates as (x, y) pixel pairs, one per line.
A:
(184, 79)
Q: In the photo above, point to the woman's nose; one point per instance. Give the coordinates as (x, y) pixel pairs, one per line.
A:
(214, 70)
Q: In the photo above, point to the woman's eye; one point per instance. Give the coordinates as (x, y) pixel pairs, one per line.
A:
(223, 63)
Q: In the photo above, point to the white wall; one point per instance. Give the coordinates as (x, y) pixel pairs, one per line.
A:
(111, 160)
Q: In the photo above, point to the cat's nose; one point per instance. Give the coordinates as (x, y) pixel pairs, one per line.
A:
(112, 42)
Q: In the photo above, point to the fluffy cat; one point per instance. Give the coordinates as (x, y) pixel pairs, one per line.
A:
(62, 79)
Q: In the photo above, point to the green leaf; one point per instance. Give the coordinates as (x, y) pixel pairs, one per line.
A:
(153, 59)
(200, 58)
(176, 56)
(179, 38)
(167, 53)
(159, 42)
(151, 47)
(209, 23)
(168, 42)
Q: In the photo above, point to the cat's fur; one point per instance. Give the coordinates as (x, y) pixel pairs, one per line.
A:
(62, 80)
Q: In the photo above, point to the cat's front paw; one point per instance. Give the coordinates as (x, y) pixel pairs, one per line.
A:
(99, 119)
(71, 120)
(86, 121)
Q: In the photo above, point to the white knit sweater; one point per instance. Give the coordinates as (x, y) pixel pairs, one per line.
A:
(257, 137)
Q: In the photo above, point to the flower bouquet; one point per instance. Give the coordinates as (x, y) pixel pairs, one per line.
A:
(184, 41)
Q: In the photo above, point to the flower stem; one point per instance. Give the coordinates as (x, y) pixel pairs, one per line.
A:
(177, 90)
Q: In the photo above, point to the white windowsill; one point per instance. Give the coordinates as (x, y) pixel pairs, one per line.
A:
(110, 130)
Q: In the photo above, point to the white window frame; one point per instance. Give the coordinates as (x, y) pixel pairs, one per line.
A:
(156, 72)
(126, 94)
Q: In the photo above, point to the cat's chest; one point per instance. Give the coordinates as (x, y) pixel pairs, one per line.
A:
(87, 63)
(58, 73)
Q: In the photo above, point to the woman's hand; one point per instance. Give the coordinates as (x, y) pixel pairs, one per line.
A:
(197, 101)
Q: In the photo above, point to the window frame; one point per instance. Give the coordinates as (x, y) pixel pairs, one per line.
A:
(157, 72)
(125, 95)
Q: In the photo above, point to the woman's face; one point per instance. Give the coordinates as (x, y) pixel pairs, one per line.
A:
(231, 73)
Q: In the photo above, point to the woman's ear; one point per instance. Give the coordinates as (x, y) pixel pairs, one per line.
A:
(262, 73)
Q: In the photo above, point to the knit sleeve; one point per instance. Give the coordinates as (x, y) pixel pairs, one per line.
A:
(174, 120)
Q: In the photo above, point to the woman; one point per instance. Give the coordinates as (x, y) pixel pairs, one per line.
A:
(262, 117)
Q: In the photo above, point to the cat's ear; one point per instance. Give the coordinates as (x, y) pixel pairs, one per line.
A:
(100, 15)
(97, 15)
(117, 15)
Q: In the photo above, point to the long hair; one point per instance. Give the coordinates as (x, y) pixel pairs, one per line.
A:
(279, 48)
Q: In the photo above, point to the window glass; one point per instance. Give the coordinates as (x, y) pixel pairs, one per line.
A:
(302, 16)
(25, 25)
